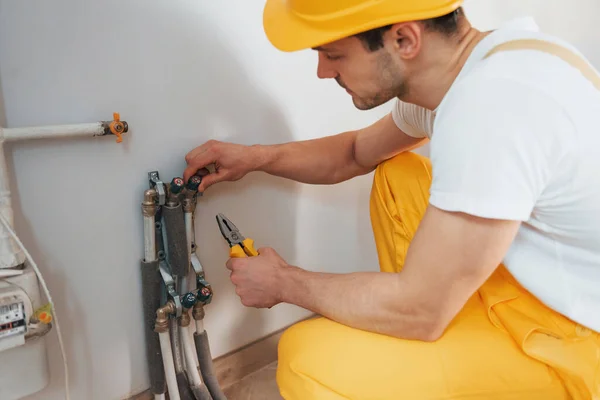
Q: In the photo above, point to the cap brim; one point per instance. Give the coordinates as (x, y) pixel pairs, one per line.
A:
(288, 33)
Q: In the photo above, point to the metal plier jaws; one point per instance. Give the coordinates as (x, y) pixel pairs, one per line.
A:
(239, 245)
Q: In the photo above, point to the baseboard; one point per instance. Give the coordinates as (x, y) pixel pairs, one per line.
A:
(146, 395)
(232, 367)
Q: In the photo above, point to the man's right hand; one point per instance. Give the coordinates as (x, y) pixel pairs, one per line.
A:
(328, 160)
(231, 161)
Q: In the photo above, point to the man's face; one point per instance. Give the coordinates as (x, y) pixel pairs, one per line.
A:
(372, 78)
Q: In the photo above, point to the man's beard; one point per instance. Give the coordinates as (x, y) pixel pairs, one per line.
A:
(392, 85)
(380, 98)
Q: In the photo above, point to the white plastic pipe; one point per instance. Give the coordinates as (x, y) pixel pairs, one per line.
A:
(167, 356)
(191, 331)
(199, 326)
(189, 230)
(54, 131)
(149, 239)
(159, 397)
(189, 349)
(7, 273)
(10, 253)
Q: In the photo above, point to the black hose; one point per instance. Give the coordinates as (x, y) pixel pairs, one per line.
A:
(177, 250)
(207, 367)
(201, 392)
(184, 387)
(151, 294)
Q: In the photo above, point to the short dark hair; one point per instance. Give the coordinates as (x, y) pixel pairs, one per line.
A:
(446, 24)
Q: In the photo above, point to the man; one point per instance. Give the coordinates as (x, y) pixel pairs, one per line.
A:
(489, 251)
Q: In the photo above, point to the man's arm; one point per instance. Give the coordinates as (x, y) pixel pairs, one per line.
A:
(327, 160)
(451, 256)
(337, 158)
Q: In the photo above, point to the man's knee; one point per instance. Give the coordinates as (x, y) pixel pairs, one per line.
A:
(299, 360)
(296, 345)
(404, 167)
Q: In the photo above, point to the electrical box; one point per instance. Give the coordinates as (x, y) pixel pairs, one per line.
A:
(23, 362)
(15, 308)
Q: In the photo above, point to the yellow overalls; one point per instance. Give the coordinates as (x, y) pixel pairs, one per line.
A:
(503, 345)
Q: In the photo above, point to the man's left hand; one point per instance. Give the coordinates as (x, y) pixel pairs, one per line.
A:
(258, 279)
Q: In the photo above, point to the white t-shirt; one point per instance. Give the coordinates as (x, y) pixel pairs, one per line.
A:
(517, 137)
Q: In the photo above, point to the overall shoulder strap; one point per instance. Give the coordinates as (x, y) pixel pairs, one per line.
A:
(551, 48)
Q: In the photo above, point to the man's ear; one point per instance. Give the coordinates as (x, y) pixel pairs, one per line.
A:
(407, 38)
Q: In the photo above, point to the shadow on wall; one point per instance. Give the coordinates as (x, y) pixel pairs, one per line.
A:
(2, 110)
(179, 85)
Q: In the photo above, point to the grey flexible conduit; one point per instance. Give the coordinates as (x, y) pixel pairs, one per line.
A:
(179, 258)
(207, 367)
(151, 296)
(201, 392)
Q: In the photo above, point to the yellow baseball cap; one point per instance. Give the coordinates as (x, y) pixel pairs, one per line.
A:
(293, 25)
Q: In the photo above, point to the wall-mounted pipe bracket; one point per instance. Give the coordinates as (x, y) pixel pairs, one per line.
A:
(159, 186)
(170, 285)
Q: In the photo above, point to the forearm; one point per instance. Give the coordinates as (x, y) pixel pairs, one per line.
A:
(326, 160)
(372, 301)
(337, 158)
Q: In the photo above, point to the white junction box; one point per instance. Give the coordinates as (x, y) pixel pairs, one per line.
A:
(23, 364)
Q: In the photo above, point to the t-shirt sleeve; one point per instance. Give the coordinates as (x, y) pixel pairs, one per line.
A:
(413, 120)
(495, 148)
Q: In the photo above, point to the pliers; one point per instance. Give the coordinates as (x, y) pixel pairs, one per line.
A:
(239, 245)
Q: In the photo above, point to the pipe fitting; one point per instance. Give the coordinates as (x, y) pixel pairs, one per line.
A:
(174, 190)
(198, 312)
(115, 127)
(189, 204)
(162, 317)
(149, 207)
(185, 319)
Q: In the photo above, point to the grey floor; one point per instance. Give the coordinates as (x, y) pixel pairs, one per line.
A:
(257, 386)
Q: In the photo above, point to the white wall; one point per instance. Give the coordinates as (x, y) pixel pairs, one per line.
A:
(180, 73)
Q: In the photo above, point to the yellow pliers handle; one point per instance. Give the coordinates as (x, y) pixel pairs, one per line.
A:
(248, 250)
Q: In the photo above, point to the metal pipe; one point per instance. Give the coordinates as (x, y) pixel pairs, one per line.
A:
(182, 381)
(149, 208)
(189, 229)
(10, 254)
(151, 294)
(189, 349)
(198, 314)
(165, 347)
(162, 317)
(55, 131)
(176, 343)
(161, 326)
(101, 128)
